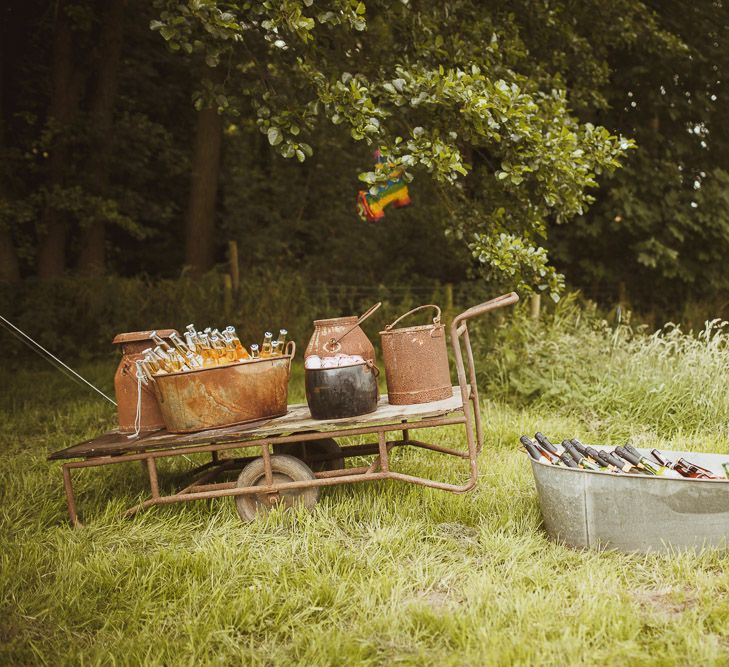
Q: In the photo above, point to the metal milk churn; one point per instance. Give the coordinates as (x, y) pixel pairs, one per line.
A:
(341, 334)
(125, 383)
(416, 361)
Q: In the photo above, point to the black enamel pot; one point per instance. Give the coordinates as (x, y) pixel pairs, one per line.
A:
(348, 391)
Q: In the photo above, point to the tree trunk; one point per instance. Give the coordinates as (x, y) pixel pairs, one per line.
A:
(93, 247)
(65, 93)
(200, 217)
(9, 267)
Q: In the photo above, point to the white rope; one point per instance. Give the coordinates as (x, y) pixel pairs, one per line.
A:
(138, 417)
(52, 356)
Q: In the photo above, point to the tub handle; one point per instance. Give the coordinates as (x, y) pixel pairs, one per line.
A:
(436, 319)
(332, 345)
(290, 349)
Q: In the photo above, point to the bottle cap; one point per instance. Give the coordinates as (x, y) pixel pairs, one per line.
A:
(254, 346)
(282, 332)
(268, 334)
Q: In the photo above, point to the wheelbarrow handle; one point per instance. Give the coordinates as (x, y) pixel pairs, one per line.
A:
(493, 304)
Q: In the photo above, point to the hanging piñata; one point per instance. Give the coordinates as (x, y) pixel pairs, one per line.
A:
(371, 207)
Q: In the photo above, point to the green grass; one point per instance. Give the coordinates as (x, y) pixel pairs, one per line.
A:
(379, 574)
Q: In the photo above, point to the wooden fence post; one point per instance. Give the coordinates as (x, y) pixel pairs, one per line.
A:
(535, 304)
(234, 268)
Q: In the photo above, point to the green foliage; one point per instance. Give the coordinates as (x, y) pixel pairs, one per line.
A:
(661, 225)
(298, 66)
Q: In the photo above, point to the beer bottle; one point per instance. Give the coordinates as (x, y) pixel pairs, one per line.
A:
(685, 469)
(152, 362)
(552, 457)
(242, 352)
(165, 360)
(275, 348)
(254, 351)
(219, 350)
(580, 460)
(646, 462)
(184, 351)
(694, 470)
(161, 342)
(532, 450)
(266, 347)
(618, 463)
(661, 459)
(190, 342)
(711, 473)
(568, 460)
(282, 333)
(546, 444)
(209, 358)
(593, 455)
(231, 353)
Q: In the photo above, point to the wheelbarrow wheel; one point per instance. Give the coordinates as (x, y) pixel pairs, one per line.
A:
(285, 468)
(309, 451)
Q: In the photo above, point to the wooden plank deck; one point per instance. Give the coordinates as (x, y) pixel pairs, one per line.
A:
(298, 419)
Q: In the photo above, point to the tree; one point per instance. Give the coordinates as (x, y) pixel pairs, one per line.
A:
(661, 224)
(67, 82)
(9, 266)
(460, 84)
(200, 216)
(93, 250)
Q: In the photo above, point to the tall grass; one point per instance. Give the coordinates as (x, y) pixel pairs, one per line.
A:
(619, 378)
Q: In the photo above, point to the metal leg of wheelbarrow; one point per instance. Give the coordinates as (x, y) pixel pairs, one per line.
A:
(70, 499)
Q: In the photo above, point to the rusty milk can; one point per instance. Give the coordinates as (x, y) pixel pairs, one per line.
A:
(125, 383)
(341, 334)
(416, 361)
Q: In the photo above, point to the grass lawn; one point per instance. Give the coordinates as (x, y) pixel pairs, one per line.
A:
(380, 573)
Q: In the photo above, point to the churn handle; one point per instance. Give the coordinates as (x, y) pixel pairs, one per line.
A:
(360, 319)
(436, 319)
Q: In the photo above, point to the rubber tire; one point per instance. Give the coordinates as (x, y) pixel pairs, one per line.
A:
(285, 469)
(317, 448)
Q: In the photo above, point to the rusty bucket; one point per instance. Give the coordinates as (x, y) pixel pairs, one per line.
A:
(416, 361)
(238, 393)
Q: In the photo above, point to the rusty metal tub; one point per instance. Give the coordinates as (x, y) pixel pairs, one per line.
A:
(238, 393)
(635, 513)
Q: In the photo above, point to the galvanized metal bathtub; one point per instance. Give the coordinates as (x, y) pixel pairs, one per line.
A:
(635, 513)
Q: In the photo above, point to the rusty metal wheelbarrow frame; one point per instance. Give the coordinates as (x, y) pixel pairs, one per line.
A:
(204, 487)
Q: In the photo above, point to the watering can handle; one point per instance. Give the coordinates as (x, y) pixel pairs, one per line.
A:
(436, 319)
(335, 341)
